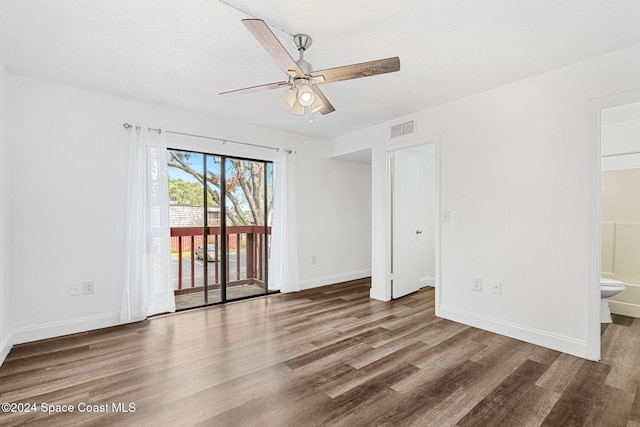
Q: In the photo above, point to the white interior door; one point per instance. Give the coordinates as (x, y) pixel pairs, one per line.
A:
(406, 229)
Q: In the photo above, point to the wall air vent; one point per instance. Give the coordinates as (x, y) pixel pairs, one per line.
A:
(402, 129)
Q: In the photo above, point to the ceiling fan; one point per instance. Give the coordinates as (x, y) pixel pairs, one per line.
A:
(302, 82)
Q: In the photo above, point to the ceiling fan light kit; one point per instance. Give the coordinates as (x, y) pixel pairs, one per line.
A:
(305, 95)
(288, 98)
(297, 108)
(317, 105)
(302, 82)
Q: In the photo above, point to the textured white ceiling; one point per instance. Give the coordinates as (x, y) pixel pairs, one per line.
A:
(183, 53)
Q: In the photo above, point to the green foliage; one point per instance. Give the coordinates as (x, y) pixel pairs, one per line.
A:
(187, 193)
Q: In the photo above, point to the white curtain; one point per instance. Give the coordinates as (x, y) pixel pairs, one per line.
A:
(148, 287)
(283, 259)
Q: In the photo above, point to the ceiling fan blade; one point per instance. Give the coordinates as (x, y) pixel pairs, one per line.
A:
(327, 108)
(272, 45)
(254, 89)
(355, 71)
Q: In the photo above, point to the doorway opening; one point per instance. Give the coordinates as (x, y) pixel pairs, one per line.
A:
(598, 107)
(412, 207)
(620, 207)
(220, 217)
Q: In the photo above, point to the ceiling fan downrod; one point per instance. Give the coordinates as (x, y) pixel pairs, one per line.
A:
(302, 43)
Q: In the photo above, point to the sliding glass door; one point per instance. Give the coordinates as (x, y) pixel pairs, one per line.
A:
(220, 216)
(248, 204)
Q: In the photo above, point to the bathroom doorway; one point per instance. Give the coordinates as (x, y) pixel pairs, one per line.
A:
(599, 108)
(620, 204)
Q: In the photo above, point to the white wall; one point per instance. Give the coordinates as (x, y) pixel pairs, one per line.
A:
(517, 166)
(69, 179)
(5, 247)
(334, 219)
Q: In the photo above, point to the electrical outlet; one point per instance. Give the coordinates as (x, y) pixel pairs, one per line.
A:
(314, 260)
(445, 216)
(88, 288)
(496, 288)
(75, 288)
(477, 284)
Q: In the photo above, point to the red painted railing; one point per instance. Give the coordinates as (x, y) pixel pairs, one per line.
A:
(245, 260)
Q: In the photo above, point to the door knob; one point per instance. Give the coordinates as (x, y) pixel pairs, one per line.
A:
(418, 231)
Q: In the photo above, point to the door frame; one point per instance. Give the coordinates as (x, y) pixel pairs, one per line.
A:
(411, 143)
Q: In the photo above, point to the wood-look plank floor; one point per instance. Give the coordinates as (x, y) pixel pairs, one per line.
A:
(327, 356)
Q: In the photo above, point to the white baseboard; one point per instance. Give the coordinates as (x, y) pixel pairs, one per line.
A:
(5, 347)
(524, 333)
(335, 278)
(427, 281)
(625, 308)
(65, 327)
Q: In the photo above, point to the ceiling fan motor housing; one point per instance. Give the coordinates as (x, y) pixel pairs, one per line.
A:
(302, 43)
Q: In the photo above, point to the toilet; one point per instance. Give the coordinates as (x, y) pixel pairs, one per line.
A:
(608, 288)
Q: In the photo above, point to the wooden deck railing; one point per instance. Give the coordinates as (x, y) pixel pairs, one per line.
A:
(245, 261)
